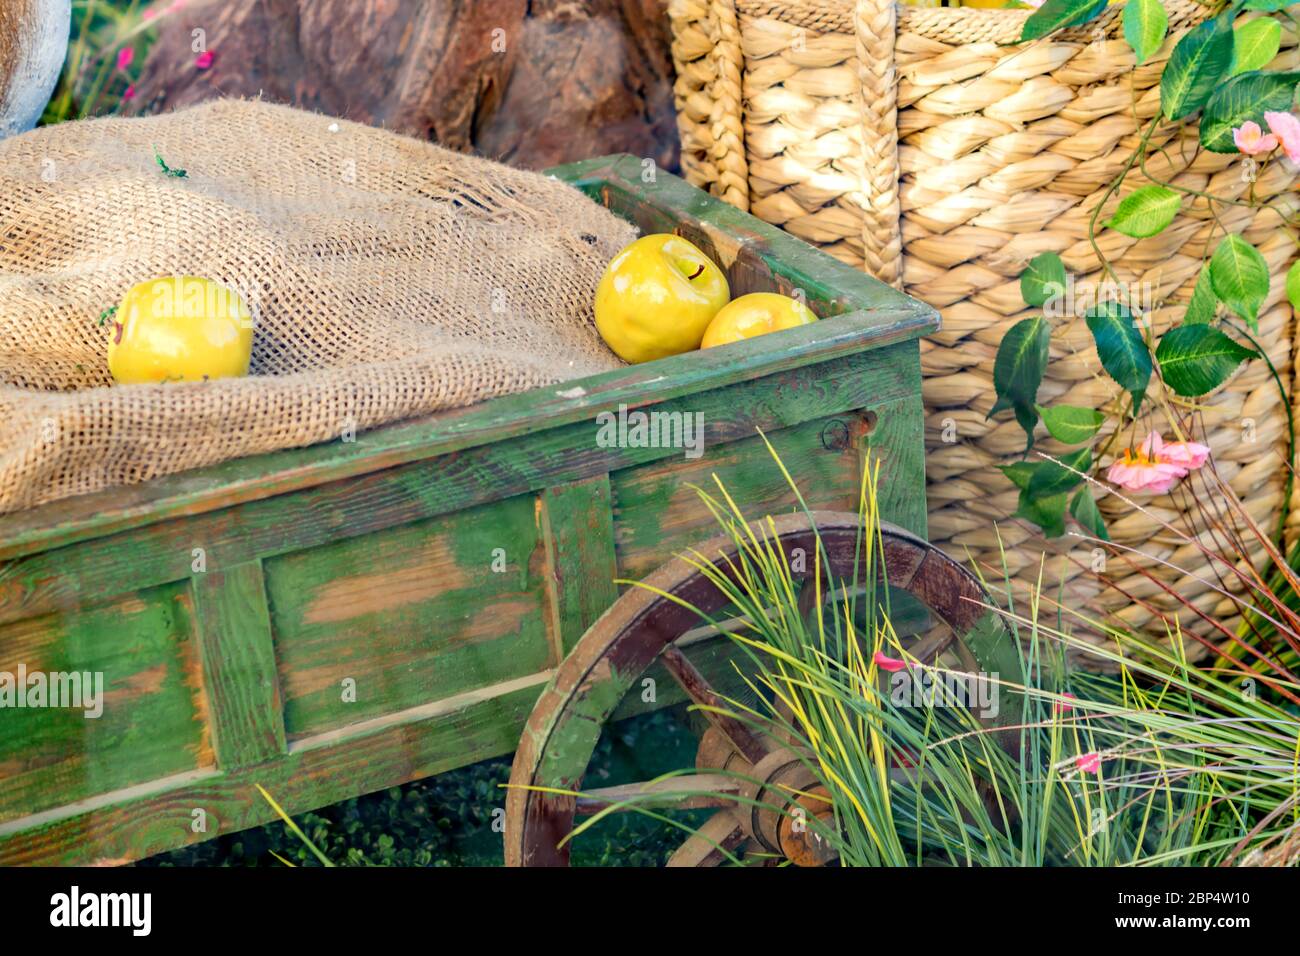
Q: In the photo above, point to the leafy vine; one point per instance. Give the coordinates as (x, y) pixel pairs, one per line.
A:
(1216, 76)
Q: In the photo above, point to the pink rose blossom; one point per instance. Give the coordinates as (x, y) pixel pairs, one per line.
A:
(1287, 130)
(1089, 763)
(1252, 140)
(203, 60)
(1187, 454)
(1156, 467)
(125, 57)
(890, 664)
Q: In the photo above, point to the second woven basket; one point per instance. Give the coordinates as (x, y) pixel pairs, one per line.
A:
(930, 148)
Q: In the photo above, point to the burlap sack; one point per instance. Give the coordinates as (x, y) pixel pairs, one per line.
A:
(388, 278)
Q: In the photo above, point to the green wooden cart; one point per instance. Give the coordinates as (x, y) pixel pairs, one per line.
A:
(338, 619)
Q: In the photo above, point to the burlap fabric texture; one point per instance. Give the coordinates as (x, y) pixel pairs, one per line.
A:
(388, 278)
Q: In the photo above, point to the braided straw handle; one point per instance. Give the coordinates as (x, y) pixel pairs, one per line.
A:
(875, 25)
(727, 117)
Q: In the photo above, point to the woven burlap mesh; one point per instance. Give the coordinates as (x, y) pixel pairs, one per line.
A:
(997, 152)
(388, 278)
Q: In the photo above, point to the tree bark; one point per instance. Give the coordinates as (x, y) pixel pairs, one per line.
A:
(530, 82)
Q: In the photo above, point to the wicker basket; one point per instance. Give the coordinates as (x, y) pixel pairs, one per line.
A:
(923, 146)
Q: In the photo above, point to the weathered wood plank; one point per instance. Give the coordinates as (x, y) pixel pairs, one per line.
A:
(152, 555)
(148, 820)
(139, 650)
(577, 526)
(895, 439)
(243, 691)
(413, 614)
(659, 511)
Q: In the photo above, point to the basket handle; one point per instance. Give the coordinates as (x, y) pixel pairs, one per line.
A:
(726, 119)
(875, 24)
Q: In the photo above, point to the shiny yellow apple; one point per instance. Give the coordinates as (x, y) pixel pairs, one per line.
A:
(756, 314)
(657, 297)
(179, 329)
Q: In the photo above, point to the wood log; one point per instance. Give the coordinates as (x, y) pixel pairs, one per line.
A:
(33, 44)
(531, 83)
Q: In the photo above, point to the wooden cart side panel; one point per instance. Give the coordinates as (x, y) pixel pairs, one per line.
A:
(373, 625)
(127, 825)
(149, 721)
(660, 511)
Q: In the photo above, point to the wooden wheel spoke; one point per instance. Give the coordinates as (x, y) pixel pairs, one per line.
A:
(928, 649)
(721, 832)
(688, 792)
(697, 687)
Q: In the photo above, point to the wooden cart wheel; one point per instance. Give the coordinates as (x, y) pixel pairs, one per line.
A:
(642, 627)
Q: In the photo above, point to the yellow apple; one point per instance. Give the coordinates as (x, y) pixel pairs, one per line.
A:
(657, 297)
(756, 314)
(179, 329)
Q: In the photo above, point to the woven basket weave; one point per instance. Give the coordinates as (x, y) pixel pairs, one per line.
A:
(927, 147)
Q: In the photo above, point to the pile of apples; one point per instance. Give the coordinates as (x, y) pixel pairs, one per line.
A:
(662, 296)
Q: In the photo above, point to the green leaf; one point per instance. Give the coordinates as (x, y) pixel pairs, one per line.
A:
(1145, 26)
(1084, 509)
(1054, 477)
(1019, 472)
(1198, 64)
(1043, 279)
(1047, 513)
(1269, 6)
(1145, 211)
(1293, 285)
(1018, 371)
(1123, 354)
(1254, 44)
(1204, 306)
(168, 170)
(1058, 14)
(1241, 99)
(1195, 359)
(1240, 278)
(1070, 424)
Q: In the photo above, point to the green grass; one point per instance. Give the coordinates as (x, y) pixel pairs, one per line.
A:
(1163, 764)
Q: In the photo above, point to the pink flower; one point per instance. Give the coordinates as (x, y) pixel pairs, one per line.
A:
(1287, 130)
(203, 60)
(1252, 140)
(149, 14)
(1089, 762)
(125, 57)
(1187, 454)
(1156, 467)
(886, 663)
(1061, 707)
(130, 92)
